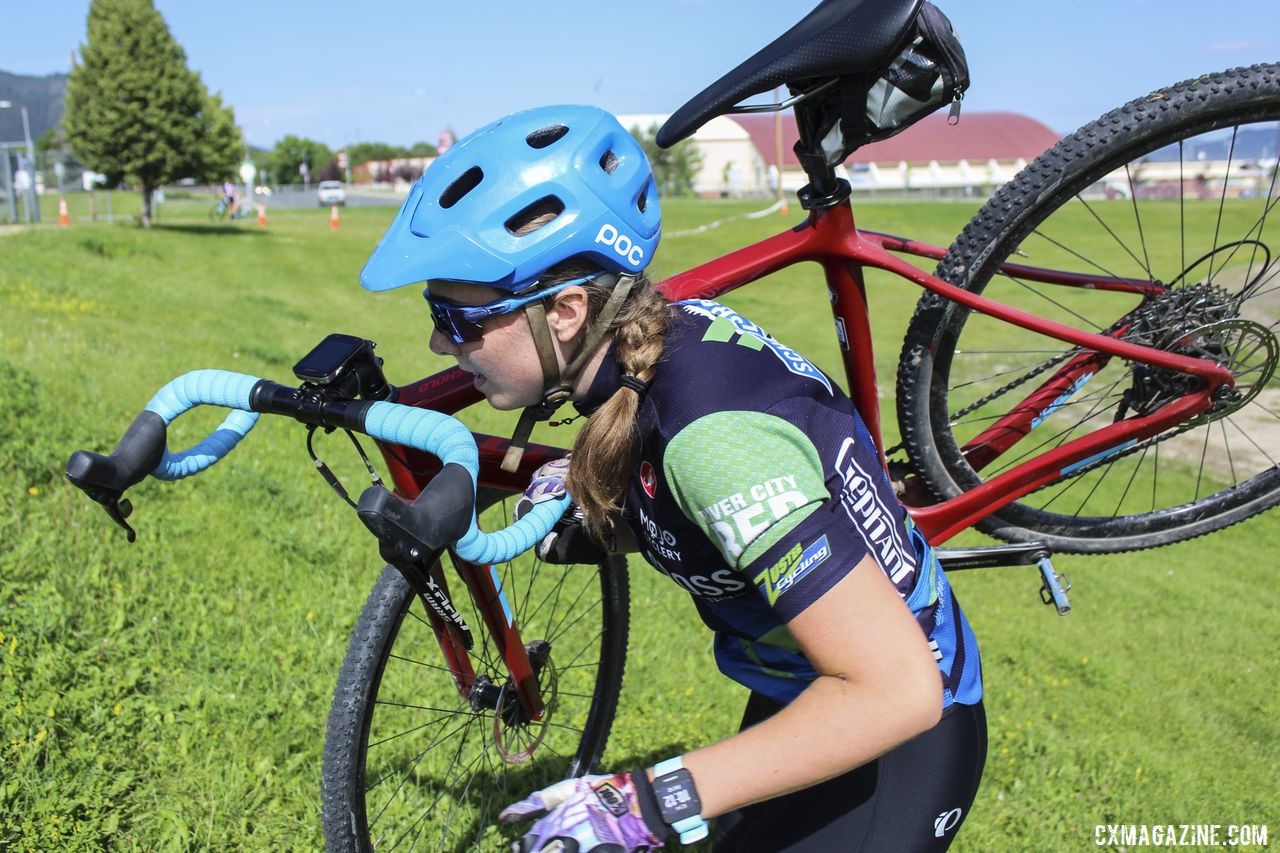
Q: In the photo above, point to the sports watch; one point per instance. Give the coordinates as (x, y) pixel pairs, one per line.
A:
(678, 800)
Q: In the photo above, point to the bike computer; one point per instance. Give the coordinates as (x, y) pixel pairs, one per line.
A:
(346, 365)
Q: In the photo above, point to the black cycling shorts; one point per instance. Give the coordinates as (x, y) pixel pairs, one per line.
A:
(913, 797)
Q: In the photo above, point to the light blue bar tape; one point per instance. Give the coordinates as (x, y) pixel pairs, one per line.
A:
(424, 429)
(201, 387)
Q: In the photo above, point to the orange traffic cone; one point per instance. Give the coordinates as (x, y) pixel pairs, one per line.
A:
(782, 210)
(333, 217)
(262, 215)
(63, 219)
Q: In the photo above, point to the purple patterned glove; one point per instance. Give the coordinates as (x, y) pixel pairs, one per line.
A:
(567, 542)
(547, 484)
(601, 813)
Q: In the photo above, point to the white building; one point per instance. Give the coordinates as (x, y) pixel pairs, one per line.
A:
(740, 155)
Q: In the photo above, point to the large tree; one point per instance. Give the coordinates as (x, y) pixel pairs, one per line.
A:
(136, 112)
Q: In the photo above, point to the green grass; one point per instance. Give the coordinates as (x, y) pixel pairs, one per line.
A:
(172, 694)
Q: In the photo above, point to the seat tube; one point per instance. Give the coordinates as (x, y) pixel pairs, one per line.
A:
(847, 290)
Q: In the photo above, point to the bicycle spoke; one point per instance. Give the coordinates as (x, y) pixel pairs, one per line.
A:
(1122, 244)
(1255, 444)
(1222, 201)
(1137, 218)
(1226, 445)
(1133, 476)
(1182, 205)
(415, 729)
(404, 777)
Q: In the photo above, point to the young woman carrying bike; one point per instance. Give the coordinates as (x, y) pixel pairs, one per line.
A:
(736, 468)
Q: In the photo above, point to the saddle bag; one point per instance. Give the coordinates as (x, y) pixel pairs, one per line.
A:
(927, 73)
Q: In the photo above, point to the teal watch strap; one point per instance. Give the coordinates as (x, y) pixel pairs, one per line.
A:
(692, 828)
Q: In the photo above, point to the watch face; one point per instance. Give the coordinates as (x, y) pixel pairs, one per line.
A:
(677, 798)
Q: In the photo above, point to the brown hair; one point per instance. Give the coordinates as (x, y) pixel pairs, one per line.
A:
(604, 452)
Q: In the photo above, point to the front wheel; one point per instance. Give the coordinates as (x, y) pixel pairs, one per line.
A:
(1178, 188)
(410, 764)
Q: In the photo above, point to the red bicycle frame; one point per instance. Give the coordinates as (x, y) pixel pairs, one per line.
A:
(830, 238)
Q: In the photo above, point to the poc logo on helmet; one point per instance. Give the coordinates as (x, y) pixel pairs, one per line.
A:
(621, 244)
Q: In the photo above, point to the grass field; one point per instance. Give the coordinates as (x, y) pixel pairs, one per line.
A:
(172, 694)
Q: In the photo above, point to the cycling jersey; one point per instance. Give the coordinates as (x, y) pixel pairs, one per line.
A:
(758, 488)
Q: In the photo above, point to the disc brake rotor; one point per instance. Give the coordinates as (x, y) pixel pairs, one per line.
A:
(1249, 350)
(515, 736)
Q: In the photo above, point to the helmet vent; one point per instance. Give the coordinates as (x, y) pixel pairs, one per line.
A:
(543, 137)
(609, 162)
(462, 185)
(537, 215)
(642, 200)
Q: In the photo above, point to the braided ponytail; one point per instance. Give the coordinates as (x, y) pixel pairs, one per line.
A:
(603, 454)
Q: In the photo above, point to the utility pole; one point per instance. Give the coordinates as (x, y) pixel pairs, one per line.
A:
(10, 203)
(31, 158)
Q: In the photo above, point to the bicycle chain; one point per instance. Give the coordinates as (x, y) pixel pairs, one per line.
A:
(1033, 373)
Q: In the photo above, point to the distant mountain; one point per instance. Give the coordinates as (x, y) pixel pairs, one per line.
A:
(43, 98)
(1251, 144)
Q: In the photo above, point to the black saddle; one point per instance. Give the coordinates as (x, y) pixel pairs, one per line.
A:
(838, 38)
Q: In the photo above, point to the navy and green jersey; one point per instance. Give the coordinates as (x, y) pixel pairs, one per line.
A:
(758, 488)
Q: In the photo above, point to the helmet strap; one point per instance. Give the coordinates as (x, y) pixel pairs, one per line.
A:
(559, 383)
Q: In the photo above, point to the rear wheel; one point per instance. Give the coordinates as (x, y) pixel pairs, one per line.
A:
(1181, 188)
(411, 764)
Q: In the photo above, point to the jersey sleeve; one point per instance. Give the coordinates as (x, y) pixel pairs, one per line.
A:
(745, 479)
(756, 485)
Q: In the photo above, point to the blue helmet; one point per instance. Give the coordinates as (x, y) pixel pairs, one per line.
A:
(573, 168)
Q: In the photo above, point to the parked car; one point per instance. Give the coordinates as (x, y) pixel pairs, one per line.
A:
(332, 192)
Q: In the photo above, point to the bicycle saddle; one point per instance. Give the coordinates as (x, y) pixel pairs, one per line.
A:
(837, 38)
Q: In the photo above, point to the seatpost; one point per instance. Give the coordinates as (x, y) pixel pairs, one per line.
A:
(824, 189)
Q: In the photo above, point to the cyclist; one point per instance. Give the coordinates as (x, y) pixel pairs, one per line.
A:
(737, 468)
(230, 198)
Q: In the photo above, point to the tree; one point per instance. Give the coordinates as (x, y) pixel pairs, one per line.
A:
(291, 152)
(221, 142)
(421, 149)
(673, 168)
(135, 112)
(367, 152)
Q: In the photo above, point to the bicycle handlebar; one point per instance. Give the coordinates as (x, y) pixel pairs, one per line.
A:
(143, 451)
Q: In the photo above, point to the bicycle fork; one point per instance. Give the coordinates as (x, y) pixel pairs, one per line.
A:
(513, 690)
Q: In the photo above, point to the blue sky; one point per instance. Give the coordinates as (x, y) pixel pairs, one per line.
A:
(400, 71)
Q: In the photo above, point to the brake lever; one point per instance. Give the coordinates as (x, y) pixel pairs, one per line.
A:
(117, 506)
(119, 510)
(409, 533)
